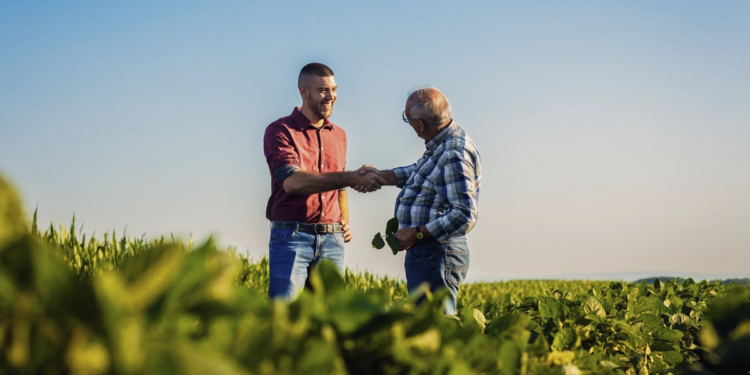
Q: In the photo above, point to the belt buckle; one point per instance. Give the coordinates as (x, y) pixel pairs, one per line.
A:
(323, 230)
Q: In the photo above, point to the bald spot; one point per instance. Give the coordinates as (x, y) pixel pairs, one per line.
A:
(429, 103)
(426, 95)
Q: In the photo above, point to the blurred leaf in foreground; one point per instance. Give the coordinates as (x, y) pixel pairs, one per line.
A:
(12, 223)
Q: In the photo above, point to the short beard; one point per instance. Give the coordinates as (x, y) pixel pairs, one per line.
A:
(319, 112)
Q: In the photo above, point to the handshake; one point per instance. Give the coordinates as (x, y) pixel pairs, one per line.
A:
(367, 179)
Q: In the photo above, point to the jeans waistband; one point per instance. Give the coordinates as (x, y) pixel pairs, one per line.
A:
(314, 228)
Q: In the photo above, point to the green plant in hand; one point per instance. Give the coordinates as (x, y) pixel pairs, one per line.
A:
(390, 228)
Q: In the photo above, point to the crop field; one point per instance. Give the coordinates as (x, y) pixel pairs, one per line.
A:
(72, 304)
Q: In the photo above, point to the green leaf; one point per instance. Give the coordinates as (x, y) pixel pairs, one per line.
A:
(538, 348)
(377, 242)
(642, 288)
(479, 317)
(666, 334)
(688, 282)
(566, 339)
(392, 243)
(644, 304)
(325, 278)
(679, 318)
(391, 227)
(510, 355)
(673, 357)
(663, 346)
(429, 341)
(561, 358)
(609, 364)
(658, 366)
(473, 318)
(318, 357)
(651, 322)
(591, 305)
(351, 311)
(12, 223)
(149, 275)
(550, 307)
(508, 325)
(187, 358)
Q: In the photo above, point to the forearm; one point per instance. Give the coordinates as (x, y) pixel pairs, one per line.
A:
(307, 183)
(459, 220)
(343, 205)
(389, 176)
(402, 174)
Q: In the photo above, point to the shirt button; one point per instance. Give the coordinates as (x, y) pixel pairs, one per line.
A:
(322, 148)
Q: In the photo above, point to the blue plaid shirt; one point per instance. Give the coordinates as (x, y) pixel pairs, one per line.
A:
(441, 189)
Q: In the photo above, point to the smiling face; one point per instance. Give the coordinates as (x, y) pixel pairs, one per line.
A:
(319, 95)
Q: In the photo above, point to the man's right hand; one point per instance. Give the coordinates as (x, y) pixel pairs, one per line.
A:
(387, 176)
(367, 181)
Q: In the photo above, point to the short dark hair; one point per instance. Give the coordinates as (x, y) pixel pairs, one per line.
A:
(313, 69)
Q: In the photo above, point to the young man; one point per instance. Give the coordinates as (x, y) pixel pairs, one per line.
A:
(306, 155)
(439, 196)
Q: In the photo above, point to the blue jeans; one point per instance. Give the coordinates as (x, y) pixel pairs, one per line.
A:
(442, 265)
(292, 253)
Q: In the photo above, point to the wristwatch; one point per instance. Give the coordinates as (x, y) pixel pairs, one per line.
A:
(420, 235)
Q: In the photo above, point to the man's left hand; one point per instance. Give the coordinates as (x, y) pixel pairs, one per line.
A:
(407, 237)
(347, 233)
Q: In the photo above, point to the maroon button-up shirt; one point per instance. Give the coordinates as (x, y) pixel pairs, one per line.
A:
(293, 142)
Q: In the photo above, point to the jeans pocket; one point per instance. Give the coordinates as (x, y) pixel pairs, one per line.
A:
(339, 237)
(456, 267)
(282, 235)
(419, 251)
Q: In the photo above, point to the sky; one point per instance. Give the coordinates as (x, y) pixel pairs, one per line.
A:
(615, 136)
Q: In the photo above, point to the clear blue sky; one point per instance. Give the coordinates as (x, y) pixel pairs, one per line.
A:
(615, 136)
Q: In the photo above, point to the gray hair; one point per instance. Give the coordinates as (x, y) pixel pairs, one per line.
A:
(431, 106)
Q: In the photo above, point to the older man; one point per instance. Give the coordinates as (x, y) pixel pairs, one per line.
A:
(437, 205)
(306, 155)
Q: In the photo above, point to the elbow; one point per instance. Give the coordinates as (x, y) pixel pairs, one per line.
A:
(290, 188)
(470, 225)
(289, 182)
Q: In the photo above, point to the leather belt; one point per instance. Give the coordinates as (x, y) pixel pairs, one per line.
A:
(315, 228)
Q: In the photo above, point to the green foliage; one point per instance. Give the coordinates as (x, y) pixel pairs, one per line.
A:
(390, 228)
(113, 305)
(725, 335)
(11, 213)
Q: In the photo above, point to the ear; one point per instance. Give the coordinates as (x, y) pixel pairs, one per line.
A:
(303, 92)
(421, 125)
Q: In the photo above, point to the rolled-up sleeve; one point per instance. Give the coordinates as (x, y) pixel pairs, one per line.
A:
(280, 153)
(403, 174)
(458, 189)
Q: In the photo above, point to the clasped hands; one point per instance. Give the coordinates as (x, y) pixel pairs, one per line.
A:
(368, 179)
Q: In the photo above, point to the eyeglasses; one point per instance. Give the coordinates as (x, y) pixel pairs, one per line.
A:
(406, 119)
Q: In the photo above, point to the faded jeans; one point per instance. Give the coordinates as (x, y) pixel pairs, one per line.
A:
(293, 253)
(439, 264)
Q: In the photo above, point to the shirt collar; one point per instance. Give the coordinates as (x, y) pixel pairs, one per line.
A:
(442, 136)
(302, 122)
